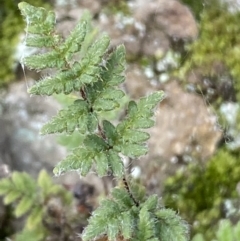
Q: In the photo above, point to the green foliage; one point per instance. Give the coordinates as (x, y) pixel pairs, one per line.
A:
(31, 198)
(11, 25)
(140, 221)
(226, 232)
(199, 191)
(215, 54)
(118, 6)
(98, 84)
(196, 6)
(94, 75)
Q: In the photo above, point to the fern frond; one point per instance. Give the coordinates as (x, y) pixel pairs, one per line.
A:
(74, 41)
(22, 188)
(85, 68)
(105, 94)
(67, 80)
(42, 41)
(94, 152)
(130, 137)
(75, 117)
(144, 222)
(146, 227)
(113, 217)
(171, 226)
(21, 184)
(151, 204)
(39, 20)
(104, 151)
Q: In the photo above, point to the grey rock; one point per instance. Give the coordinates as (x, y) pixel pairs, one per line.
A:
(21, 146)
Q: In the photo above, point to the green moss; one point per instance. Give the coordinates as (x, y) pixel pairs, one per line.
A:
(11, 25)
(118, 6)
(195, 6)
(199, 191)
(226, 232)
(218, 45)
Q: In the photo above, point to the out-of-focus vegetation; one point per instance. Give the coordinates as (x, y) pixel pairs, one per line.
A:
(195, 6)
(11, 25)
(213, 60)
(43, 201)
(226, 232)
(199, 191)
(211, 67)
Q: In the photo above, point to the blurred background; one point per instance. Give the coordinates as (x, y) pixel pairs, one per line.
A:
(191, 50)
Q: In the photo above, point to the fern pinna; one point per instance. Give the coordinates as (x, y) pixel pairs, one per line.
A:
(94, 75)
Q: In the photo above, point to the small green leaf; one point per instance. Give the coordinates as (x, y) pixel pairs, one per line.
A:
(81, 160)
(142, 123)
(149, 102)
(18, 181)
(42, 61)
(113, 229)
(41, 41)
(122, 198)
(138, 191)
(44, 181)
(39, 20)
(68, 120)
(24, 206)
(112, 94)
(62, 82)
(101, 164)
(29, 182)
(115, 66)
(115, 163)
(96, 50)
(133, 150)
(126, 224)
(151, 204)
(132, 108)
(146, 226)
(93, 230)
(74, 41)
(105, 220)
(95, 142)
(12, 196)
(92, 122)
(169, 220)
(105, 105)
(35, 217)
(135, 136)
(110, 131)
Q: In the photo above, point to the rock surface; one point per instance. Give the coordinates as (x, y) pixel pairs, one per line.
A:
(22, 148)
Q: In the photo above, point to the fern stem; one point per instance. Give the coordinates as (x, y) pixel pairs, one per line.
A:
(83, 94)
(101, 132)
(129, 191)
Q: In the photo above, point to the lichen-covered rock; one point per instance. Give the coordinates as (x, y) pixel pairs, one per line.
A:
(171, 16)
(184, 126)
(149, 29)
(22, 148)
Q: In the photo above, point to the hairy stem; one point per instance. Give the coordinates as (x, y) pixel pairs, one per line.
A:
(129, 191)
